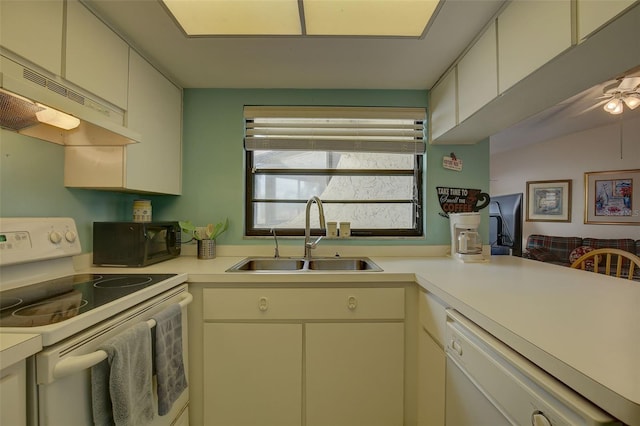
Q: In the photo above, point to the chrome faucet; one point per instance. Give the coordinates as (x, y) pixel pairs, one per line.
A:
(308, 246)
(276, 253)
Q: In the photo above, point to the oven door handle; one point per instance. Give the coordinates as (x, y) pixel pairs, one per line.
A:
(73, 364)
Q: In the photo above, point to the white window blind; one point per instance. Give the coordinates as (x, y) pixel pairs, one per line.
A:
(343, 129)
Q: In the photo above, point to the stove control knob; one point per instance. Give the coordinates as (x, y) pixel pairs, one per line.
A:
(70, 236)
(55, 237)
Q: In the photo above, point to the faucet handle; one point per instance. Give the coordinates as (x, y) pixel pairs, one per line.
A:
(314, 243)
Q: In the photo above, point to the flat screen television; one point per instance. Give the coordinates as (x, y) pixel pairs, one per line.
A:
(505, 224)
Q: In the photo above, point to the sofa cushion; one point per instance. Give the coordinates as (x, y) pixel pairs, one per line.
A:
(542, 254)
(560, 247)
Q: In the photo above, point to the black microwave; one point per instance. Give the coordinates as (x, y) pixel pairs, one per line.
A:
(135, 243)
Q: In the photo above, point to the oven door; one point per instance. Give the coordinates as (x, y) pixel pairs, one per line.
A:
(62, 382)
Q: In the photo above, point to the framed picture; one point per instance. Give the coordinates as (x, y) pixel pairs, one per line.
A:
(549, 201)
(612, 197)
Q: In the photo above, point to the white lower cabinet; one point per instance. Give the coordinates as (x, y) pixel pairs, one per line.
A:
(431, 381)
(253, 374)
(266, 362)
(13, 395)
(354, 374)
(431, 360)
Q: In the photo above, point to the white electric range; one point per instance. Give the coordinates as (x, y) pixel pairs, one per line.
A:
(40, 293)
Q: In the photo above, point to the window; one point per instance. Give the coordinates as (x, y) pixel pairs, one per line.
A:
(365, 164)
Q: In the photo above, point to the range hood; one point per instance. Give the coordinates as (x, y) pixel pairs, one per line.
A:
(29, 100)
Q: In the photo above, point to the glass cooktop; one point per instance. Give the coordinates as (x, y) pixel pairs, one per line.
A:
(59, 299)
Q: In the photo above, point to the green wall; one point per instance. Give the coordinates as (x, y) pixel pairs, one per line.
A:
(32, 184)
(213, 175)
(31, 171)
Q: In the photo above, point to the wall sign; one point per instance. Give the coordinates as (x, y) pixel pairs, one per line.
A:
(462, 200)
(452, 163)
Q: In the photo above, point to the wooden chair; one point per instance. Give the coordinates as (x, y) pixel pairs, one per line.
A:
(604, 255)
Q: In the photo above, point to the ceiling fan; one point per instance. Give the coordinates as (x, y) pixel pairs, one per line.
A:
(625, 91)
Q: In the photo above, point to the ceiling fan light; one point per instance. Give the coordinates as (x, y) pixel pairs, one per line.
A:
(614, 106)
(632, 101)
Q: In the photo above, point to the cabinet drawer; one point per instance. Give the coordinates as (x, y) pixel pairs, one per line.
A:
(339, 303)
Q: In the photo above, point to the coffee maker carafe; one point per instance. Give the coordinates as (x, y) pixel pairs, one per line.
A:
(466, 243)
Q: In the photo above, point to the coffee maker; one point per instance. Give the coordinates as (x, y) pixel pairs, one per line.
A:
(466, 243)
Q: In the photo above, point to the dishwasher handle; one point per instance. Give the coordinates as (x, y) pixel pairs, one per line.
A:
(73, 364)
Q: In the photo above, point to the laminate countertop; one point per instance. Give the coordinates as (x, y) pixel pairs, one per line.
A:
(582, 328)
(17, 347)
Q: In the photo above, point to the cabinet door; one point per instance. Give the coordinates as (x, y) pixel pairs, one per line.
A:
(354, 374)
(593, 14)
(443, 105)
(431, 381)
(97, 59)
(13, 396)
(154, 111)
(478, 75)
(252, 374)
(530, 34)
(33, 30)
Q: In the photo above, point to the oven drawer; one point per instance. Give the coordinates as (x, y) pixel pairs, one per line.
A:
(307, 303)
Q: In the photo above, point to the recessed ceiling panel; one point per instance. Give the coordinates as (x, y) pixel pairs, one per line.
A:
(368, 17)
(236, 17)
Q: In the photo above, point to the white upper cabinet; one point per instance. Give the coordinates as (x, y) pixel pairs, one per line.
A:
(530, 34)
(152, 166)
(593, 14)
(443, 105)
(97, 59)
(538, 44)
(155, 111)
(478, 74)
(33, 30)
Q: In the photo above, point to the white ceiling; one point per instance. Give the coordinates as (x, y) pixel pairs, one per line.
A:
(334, 62)
(580, 112)
(294, 61)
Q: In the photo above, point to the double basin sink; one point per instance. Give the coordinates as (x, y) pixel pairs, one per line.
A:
(292, 264)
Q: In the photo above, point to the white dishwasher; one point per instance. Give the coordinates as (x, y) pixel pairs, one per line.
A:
(488, 383)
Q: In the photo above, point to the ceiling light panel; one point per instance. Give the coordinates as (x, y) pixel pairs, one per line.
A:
(236, 17)
(368, 17)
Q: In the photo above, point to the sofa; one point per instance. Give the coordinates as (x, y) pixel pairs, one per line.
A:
(565, 250)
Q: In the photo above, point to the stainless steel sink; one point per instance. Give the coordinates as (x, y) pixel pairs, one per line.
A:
(343, 264)
(290, 264)
(268, 264)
